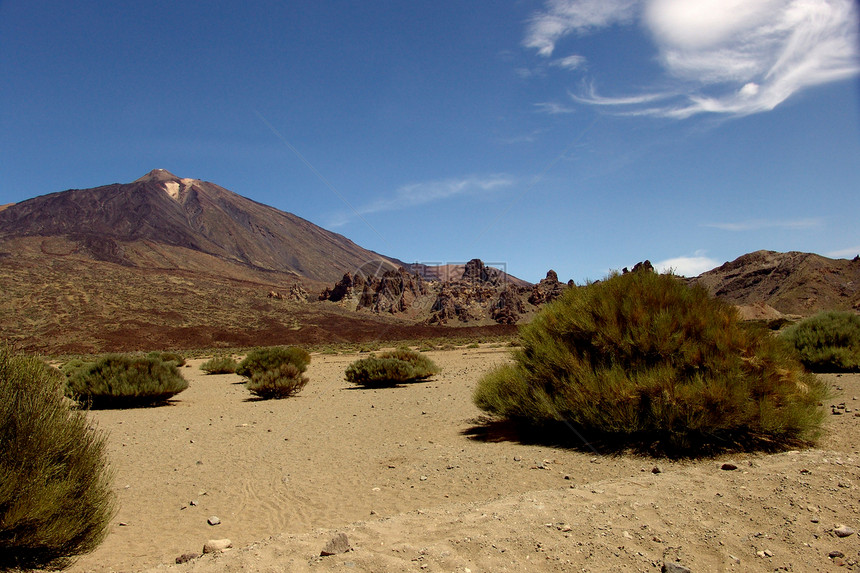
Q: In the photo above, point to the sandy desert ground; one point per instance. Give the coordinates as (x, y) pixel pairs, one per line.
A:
(401, 473)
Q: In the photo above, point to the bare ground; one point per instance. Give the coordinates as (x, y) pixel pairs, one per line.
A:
(404, 473)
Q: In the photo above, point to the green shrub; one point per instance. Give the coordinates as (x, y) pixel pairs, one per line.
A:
(391, 368)
(262, 359)
(641, 359)
(168, 357)
(280, 382)
(219, 365)
(422, 367)
(827, 342)
(122, 381)
(55, 490)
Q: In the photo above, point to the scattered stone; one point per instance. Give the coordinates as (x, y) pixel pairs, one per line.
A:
(736, 560)
(843, 531)
(217, 545)
(656, 470)
(768, 553)
(835, 554)
(123, 524)
(337, 544)
(670, 567)
(213, 520)
(186, 557)
(728, 466)
(193, 502)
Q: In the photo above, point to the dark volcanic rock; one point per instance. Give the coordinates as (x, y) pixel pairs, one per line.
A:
(547, 290)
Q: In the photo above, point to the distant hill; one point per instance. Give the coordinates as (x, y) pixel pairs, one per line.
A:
(790, 283)
(164, 221)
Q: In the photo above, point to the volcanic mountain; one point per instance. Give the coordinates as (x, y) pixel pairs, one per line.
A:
(164, 221)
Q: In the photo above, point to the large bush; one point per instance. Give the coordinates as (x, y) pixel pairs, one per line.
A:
(55, 494)
(262, 359)
(641, 359)
(280, 382)
(827, 342)
(219, 365)
(123, 381)
(391, 368)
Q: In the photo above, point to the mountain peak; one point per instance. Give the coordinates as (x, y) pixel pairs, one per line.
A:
(158, 175)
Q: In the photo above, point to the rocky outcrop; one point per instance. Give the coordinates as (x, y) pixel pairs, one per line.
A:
(547, 290)
(509, 307)
(396, 291)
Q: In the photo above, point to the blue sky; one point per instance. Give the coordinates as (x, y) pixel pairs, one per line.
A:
(578, 135)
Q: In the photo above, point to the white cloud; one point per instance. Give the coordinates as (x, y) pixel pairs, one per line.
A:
(553, 108)
(734, 57)
(563, 17)
(848, 253)
(418, 194)
(758, 224)
(570, 62)
(687, 266)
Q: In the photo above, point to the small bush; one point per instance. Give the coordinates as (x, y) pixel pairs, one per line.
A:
(827, 342)
(422, 367)
(122, 381)
(280, 382)
(219, 365)
(390, 369)
(168, 357)
(642, 360)
(263, 359)
(55, 485)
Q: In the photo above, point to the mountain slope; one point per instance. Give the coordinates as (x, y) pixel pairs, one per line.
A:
(792, 283)
(161, 220)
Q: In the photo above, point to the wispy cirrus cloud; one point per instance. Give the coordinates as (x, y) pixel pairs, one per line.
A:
(730, 57)
(424, 193)
(850, 252)
(553, 108)
(759, 224)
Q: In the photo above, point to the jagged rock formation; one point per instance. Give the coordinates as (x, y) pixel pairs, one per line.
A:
(480, 294)
(547, 290)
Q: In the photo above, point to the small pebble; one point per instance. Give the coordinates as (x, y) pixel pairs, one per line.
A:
(213, 520)
(835, 554)
(728, 466)
(843, 531)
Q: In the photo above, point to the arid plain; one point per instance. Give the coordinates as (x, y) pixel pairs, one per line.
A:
(418, 482)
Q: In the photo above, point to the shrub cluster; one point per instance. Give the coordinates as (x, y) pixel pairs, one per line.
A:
(219, 365)
(55, 494)
(391, 368)
(827, 342)
(168, 357)
(275, 372)
(281, 381)
(643, 359)
(262, 359)
(123, 381)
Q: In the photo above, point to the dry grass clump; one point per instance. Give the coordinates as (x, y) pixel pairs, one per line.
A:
(219, 365)
(391, 368)
(124, 381)
(827, 342)
(643, 360)
(55, 494)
